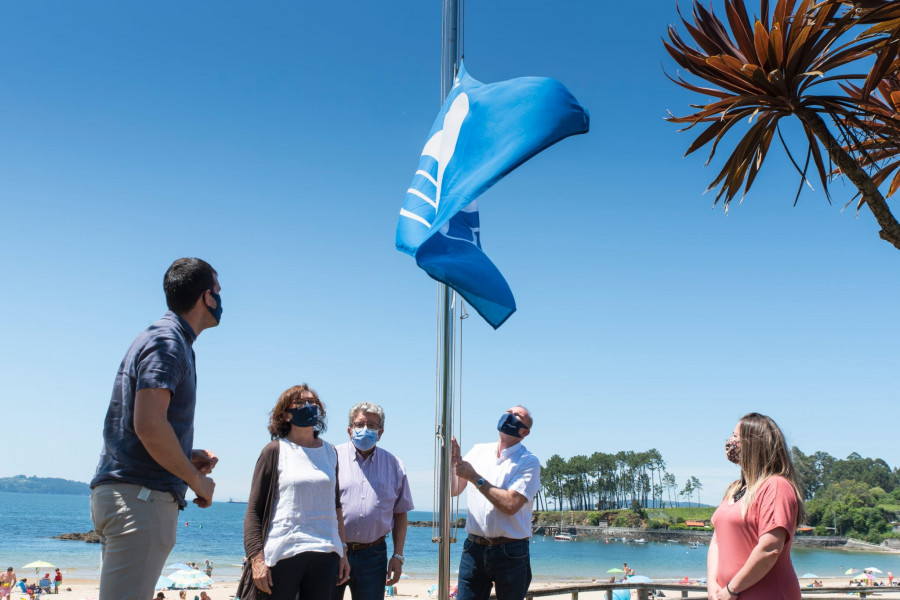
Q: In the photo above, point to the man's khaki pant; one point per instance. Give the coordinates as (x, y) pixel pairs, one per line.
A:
(137, 535)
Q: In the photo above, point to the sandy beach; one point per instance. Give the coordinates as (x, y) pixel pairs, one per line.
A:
(87, 589)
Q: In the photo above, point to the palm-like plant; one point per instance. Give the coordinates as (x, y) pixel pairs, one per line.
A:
(880, 148)
(786, 64)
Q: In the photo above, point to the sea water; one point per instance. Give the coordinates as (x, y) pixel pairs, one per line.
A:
(28, 523)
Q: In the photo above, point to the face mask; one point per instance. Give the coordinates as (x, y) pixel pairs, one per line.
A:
(364, 438)
(733, 451)
(510, 425)
(217, 311)
(308, 416)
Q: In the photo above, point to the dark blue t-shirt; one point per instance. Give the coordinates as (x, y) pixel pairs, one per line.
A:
(160, 357)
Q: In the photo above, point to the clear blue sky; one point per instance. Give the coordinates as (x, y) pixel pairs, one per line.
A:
(277, 139)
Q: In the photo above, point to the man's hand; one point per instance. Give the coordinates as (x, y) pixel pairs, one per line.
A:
(455, 454)
(395, 568)
(343, 570)
(464, 470)
(262, 576)
(204, 461)
(204, 487)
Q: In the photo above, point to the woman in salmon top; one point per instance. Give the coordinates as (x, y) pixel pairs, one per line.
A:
(750, 553)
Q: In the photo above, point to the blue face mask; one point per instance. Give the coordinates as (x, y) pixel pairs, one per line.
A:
(307, 416)
(364, 438)
(217, 311)
(510, 425)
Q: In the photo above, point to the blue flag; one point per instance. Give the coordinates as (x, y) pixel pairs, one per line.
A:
(483, 132)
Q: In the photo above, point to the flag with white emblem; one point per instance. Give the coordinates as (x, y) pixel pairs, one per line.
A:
(483, 132)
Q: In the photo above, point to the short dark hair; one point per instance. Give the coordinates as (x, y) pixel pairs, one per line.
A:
(185, 281)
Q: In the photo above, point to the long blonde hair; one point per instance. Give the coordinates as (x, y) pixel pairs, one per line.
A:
(764, 454)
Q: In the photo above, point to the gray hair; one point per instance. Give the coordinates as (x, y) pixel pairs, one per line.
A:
(366, 407)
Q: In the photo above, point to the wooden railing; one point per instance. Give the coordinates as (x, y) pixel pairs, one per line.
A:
(675, 590)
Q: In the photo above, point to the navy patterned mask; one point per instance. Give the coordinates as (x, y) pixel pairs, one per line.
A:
(217, 311)
(510, 425)
(307, 416)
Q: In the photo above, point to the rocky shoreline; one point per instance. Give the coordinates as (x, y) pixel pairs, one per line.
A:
(89, 536)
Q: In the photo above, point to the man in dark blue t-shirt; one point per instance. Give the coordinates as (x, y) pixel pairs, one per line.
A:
(148, 460)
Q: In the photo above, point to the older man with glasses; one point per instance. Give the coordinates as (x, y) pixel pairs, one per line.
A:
(502, 478)
(375, 498)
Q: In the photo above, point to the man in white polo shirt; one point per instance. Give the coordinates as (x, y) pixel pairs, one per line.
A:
(502, 479)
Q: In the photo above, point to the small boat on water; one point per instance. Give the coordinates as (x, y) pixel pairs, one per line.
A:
(640, 541)
(562, 537)
(695, 545)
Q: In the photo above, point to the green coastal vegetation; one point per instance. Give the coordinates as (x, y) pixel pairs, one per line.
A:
(855, 497)
(20, 484)
(605, 481)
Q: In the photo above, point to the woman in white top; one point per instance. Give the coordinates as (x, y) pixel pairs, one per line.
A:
(293, 528)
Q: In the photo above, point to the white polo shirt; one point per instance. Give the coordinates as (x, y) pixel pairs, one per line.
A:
(518, 470)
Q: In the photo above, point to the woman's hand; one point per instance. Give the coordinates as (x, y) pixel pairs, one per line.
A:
(262, 576)
(724, 594)
(343, 570)
(712, 589)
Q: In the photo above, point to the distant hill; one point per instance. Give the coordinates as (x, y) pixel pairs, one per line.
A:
(21, 484)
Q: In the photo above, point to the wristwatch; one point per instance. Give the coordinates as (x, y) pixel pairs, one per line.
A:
(480, 482)
(399, 557)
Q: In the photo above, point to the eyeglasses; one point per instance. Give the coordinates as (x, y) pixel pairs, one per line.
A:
(304, 402)
(361, 424)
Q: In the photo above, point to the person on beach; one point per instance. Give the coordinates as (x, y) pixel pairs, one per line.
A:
(502, 479)
(57, 581)
(293, 527)
(375, 497)
(147, 461)
(627, 570)
(7, 580)
(750, 552)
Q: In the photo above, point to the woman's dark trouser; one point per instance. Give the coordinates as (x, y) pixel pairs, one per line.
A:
(506, 566)
(311, 575)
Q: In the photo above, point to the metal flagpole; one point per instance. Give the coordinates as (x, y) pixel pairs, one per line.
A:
(449, 66)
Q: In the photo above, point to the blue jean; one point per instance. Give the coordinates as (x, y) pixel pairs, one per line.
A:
(368, 572)
(506, 566)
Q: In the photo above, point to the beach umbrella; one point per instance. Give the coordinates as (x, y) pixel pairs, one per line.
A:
(180, 567)
(38, 565)
(872, 570)
(639, 579)
(615, 570)
(163, 583)
(809, 576)
(862, 576)
(850, 571)
(190, 578)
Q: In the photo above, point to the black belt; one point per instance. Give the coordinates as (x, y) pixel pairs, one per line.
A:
(494, 541)
(356, 546)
